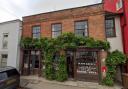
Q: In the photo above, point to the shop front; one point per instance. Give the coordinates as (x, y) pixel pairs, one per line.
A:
(31, 62)
(83, 64)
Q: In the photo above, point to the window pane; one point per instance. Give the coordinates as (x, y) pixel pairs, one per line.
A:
(4, 56)
(110, 33)
(80, 32)
(81, 28)
(3, 61)
(5, 40)
(38, 36)
(56, 30)
(56, 27)
(56, 34)
(110, 27)
(81, 25)
(109, 23)
(36, 32)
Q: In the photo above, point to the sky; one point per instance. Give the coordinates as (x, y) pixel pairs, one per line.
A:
(16, 9)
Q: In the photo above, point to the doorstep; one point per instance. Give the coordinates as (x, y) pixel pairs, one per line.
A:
(88, 85)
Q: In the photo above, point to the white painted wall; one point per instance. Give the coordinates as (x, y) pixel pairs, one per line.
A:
(116, 42)
(13, 28)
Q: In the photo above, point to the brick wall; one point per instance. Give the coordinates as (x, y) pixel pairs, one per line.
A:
(94, 14)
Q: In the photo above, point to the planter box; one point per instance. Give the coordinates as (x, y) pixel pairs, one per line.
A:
(125, 80)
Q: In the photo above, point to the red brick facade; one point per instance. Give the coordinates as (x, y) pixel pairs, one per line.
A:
(94, 14)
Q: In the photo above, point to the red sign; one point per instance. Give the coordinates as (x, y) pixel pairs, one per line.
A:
(103, 68)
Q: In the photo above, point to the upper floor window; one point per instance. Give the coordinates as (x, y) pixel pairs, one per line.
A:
(36, 31)
(81, 28)
(119, 5)
(56, 30)
(110, 27)
(5, 40)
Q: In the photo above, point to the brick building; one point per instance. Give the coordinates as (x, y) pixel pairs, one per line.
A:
(91, 21)
(92, 15)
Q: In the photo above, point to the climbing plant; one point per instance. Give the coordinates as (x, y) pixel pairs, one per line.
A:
(51, 46)
(61, 73)
(115, 58)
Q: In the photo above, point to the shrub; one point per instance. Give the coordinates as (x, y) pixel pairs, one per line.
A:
(115, 58)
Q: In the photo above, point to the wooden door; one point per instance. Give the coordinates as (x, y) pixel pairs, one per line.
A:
(34, 62)
(25, 66)
(70, 64)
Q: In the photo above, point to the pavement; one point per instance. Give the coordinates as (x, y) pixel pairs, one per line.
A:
(33, 82)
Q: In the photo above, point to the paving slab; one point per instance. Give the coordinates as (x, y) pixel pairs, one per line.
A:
(33, 82)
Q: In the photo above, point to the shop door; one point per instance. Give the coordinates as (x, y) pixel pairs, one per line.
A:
(86, 66)
(25, 67)
(34, 62)
(70, 64)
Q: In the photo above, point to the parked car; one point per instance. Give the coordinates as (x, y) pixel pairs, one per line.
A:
(9, 78)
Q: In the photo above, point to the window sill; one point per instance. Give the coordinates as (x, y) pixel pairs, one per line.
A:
(112, 37)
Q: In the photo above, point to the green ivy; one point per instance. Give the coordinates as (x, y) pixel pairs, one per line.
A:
(108, 80)
(64, 41)
(26, 42)
(61, 73)
(115, 58)
(51, 46)
(49, 69)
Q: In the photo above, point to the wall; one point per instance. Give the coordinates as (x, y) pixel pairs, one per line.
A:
(94, 14)
(116, 42)
(13, 28)
(111, 6)
(124, 22)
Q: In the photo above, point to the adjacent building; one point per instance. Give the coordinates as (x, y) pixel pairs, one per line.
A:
(119, 7)
(10, 34)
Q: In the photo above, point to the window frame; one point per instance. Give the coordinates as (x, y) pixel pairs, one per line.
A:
(5, 40)
(114, 29)
(81, 29)
(119, 5)
(1, 62)
(36, 33)
(55, 31)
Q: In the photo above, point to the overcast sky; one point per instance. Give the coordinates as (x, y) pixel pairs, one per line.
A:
(15, 9)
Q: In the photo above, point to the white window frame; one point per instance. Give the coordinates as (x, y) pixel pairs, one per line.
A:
(58, 32)
(85, 34)
(36, 33)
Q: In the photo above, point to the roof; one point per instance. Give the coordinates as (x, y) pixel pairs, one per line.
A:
(6, 68)
(11, 21)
